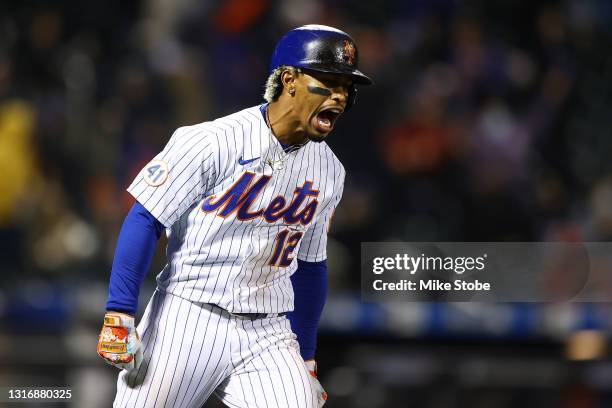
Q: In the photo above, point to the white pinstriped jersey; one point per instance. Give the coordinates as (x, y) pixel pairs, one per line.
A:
(239, 210)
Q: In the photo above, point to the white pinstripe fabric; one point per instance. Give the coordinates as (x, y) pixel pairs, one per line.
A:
(271, 372)
(220, 265)
(193, 350)
(224, 261)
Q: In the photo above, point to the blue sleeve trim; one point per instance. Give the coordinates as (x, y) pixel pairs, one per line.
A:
(135, 248)
(310, 290)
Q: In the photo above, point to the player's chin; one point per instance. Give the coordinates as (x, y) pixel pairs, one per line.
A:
(317, 137)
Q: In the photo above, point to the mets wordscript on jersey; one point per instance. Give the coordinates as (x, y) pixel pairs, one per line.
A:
(240, 197)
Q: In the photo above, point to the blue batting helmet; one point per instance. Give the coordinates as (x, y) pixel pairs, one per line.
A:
(321, 48)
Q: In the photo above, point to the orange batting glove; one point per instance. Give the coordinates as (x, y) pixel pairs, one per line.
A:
(119, 344)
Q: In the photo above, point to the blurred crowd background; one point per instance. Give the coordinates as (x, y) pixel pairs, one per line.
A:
(488, 121)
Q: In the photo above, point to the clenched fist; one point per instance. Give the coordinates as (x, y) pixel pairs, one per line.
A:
(311, 365)
(119, 343)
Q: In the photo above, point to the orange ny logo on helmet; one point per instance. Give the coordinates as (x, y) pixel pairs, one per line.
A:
(349, 52)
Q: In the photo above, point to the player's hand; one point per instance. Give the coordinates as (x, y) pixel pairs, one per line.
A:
(311, 365)
(119, 343)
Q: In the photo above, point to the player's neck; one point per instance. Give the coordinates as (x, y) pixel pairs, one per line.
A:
(285, 125)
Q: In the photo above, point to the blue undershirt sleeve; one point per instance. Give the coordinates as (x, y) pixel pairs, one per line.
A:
(135, 248)
(310, 291)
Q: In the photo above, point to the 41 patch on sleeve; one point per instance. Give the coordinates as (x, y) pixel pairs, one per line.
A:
(156, 173)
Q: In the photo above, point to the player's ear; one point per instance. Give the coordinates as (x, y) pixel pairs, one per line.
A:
(288, 78)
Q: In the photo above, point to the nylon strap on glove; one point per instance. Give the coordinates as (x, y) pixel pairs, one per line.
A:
(119, 343)
(311, 365)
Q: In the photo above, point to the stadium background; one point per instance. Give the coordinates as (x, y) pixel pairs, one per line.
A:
(489, 121)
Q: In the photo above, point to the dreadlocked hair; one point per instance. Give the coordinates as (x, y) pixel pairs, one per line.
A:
(274, 85)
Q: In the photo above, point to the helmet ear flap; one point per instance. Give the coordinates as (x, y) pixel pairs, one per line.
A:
(352, 97)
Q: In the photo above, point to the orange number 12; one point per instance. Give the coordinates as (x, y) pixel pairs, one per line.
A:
(284, 248)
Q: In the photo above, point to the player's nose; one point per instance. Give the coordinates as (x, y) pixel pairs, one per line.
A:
(340, 95)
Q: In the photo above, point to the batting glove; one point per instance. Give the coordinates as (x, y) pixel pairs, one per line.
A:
(119, 344)
(311, 365)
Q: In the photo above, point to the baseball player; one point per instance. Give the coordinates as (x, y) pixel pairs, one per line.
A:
(246, 201)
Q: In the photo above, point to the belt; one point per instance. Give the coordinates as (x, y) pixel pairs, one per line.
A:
(253, 316)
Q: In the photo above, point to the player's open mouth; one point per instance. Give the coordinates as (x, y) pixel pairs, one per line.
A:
(326, 118)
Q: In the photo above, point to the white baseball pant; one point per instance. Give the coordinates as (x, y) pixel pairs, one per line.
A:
(193, 350)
